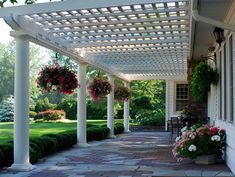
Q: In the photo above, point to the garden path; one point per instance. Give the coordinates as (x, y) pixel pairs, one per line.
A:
(129, 155)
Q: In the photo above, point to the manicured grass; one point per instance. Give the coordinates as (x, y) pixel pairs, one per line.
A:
(38, 129)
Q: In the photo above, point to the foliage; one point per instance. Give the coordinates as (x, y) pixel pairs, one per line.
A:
(148, 102)
(32, 114)
(118, 128)
(51, 115)
(7, 63)
(121, 93)
(43, 105)
(51, 143)
(15, 1)
(198, 141)
(70, 107)
(203, 76)
(97, 111)
(149, 118)
(143, 102)
(7, 110)
(98, 88)
(55, 77)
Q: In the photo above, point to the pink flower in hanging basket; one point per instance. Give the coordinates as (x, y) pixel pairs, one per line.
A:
(122, 93)
(56, 77)
(98, 88)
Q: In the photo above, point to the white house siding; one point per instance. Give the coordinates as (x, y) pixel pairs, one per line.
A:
(223, 114)
(171, 98)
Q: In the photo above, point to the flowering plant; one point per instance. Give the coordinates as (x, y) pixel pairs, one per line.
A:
(99, 88)
(198, 141)
(56, 77)
(121, 93)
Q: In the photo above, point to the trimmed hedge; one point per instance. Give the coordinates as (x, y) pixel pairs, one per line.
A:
(51, 115)
(51, 143)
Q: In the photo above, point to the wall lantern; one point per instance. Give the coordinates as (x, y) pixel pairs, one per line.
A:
(219, 35)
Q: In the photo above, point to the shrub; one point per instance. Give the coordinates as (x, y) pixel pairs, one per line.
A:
(143, 102)
(7, 110)
(149, 118)
(51, 115)
(51, 143)
(118, 128)
(43, 105)
(32, 114)
(97, 133)
(70, 107)
(6, 158)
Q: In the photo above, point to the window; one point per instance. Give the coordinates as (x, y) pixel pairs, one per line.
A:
(181, 96)
(225, 83)
(231, 76)
(220, 84)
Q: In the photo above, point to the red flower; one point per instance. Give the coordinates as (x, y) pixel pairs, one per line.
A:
(213, 130)
(55, 77)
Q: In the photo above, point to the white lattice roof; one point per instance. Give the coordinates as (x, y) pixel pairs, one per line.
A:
(133, 39)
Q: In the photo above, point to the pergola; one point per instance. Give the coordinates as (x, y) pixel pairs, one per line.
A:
(128, 39)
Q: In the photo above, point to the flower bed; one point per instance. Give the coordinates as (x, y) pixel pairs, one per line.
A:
(199, 141)
(56, 77)
(99, 88)
(51, 115)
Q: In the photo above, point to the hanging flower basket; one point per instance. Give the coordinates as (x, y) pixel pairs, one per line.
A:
(121, 93)
(98, 88)
(56, 77)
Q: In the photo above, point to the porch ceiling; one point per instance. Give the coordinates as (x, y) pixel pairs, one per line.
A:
(132, 39)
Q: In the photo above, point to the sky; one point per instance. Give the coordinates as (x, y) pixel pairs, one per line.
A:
(5, 29)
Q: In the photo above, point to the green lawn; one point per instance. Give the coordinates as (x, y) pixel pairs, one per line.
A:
(38, 129)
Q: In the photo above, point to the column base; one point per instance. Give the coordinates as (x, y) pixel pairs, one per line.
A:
(127, 131)
(82, 145)
(22, 167)
(112, 136)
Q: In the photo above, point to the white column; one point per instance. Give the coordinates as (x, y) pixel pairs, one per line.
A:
(81, 106)
(21, 110)
(110, 110)
(126, 111)
(167, 105)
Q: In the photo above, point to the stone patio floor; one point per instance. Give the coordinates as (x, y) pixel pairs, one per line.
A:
(135, 154)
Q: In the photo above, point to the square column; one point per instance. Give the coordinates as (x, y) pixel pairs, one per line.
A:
(81, 106)
(110, 110)
(126, 111)
(21, 109)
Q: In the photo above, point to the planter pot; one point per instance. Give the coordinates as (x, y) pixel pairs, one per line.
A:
(206, 159)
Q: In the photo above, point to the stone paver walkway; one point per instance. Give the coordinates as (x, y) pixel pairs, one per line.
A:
(135, 154)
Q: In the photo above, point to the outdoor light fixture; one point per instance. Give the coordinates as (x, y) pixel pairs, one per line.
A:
(219, 35)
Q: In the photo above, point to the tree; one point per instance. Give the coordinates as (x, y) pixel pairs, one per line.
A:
(15, 2)
(7, 65)
(7, 110)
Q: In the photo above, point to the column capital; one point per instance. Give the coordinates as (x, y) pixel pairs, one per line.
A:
(19, 34)
(82, 63)
(111, 76)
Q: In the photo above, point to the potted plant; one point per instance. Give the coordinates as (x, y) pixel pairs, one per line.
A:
(98, 88)
(203, 76)
(55, 77)
(121, 93)
(203, 144)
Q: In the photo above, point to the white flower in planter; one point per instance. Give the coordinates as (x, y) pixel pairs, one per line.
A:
(192, 148)
(215, 138)
(177, 139)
